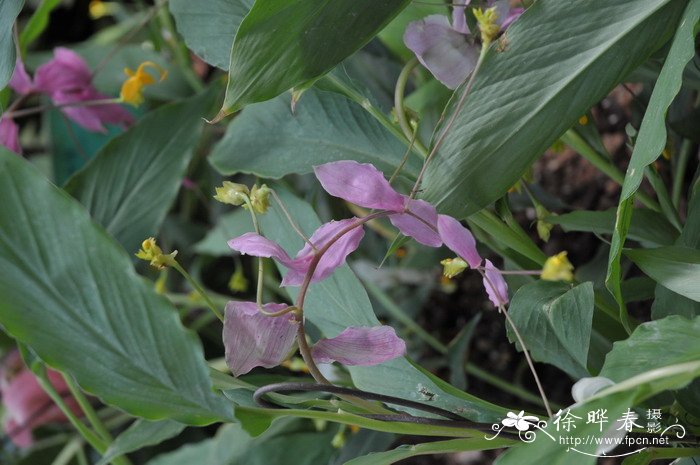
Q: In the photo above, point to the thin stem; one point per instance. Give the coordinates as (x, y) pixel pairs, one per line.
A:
(404, 159)
(261, 266)
(42, 108)
(180, 52)
(200, 290)
(399, 100)
(292, 223)
(450, 123)
(87, 409)
(69, 451)
(578, 143)
(93, 439)
(502, 309)
(679, 172)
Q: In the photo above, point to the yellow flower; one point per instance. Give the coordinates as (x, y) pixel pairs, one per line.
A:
(486, 19)
(238, 283)
(260, 198)
(558, 268)
(150, 252)
(583, 120)
(453, 266)
(132, 89)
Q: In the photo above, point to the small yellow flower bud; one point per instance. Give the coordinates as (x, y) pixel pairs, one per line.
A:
(260, 198)
(238, 282)
(132, 88)
(486, 19)
(453, 266)
(543, 227)
(558, 268)
(150, 252)
(583, 120)
(232, 193)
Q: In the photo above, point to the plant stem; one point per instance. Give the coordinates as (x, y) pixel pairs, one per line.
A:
(180, 52)
(41, 108)
(679, 172)
(87, 409)
(399, 107)
(200, 290)
(92, 438)
(68, 452)
(578, 143)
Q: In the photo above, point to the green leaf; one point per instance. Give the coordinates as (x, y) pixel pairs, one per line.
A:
(233, 446)
(437, 447)
(209, 28)
(270, 141)
(230, 225)
(650, 141)
(130, 185)
(676, 268)
(340, 301)
(392, 34)
(140, 434)
(552, 65)
(283, 44)
(37, 23)
(9, 9)
(653, 345)
(555, 321)
(648, 227)
(70, 293)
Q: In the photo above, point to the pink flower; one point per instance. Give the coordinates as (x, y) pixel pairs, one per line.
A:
(459, 239)
(495, 285)
(67, 80)
(259, 246)
(9, 135)
(449, 51)
(364, 185)
(252, 339)
(26, 404)
(360, 346)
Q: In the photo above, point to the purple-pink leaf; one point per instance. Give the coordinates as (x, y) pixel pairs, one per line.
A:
(9, 135)
(360, 346)
(359, 183)
(252, 339)
(445, 51)
(333, 257)
(495, 285)
(458, 239)
(420, 224)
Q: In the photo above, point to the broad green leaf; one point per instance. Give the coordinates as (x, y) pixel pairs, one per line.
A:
(230, 225)
(340, 301)
(140, 434)
(676, 268)
(269, 140)
(556, 61)
(37, 23)
(9, 9)
(650, 141)
(652, 345)
(437, 447)
(555, 321)
(392, 34)
(648, 227)
(209, 27)
(130, 184)
(283, 44)
(232, 445)
(70, 293)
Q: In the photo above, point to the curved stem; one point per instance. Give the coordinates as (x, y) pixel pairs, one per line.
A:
(200, 290)
(292, 223)
(399, 107)
(41, 108)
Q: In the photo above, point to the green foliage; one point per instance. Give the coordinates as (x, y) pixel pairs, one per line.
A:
(284, 44)
(9, 9)
(140, 434)
(555, 321)
(534, 84)
(37, 23)
(71, 294)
